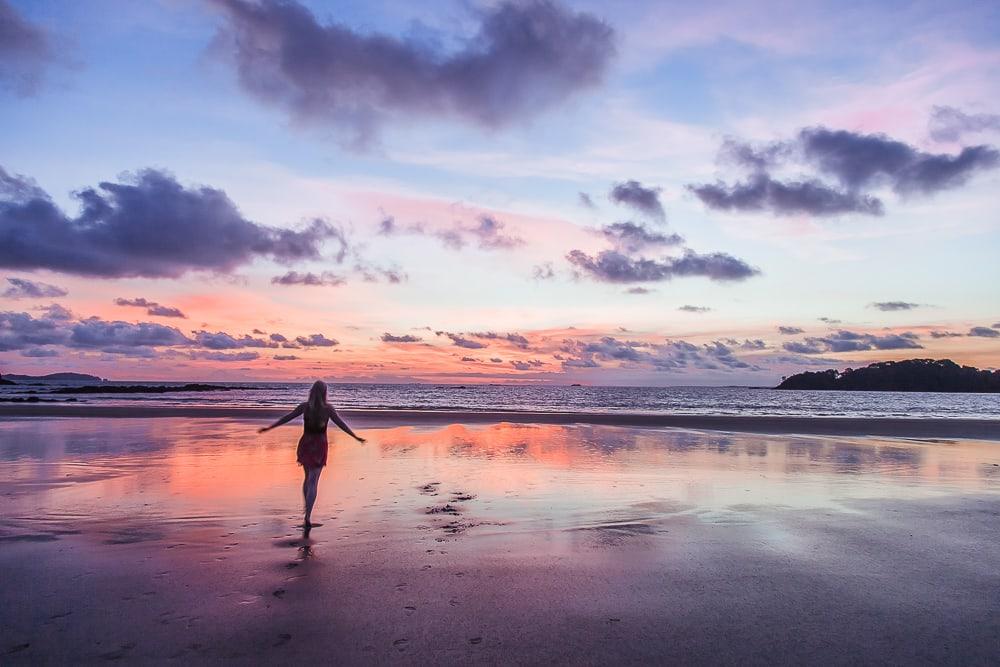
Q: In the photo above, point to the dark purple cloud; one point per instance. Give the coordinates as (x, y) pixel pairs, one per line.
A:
(223, 356)
(586, 201)
(984, 332)
(220, 340)
(694, 309)
(946, 334)
(19, 331)
(492, 234)
(25, 52)
(97, 333)
(531, 364)
(672, 355)
(326, 278)
(284, 357)
(950, 124)
(850, 341)
(754, 158)
(525, 58)
(405, 338)
(893, 306)
(21, 288)
(790, 331)
(316, 340)
(639, 290)
(516, 339)
(149, 226)
(644, 199)
(863, 160)
(461, 341)
(39, 352)
(856, 161)
(614, 267)
(630, 237)
(152, 308)
(763, 193)
(54, 311)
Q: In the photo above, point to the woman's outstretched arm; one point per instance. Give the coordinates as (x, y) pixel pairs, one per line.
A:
(335, 418)
(287, 418)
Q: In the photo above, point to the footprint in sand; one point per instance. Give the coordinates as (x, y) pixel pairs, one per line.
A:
(476, 640)
(120, 653)
(283, 639)
(401, 644)
(429, 489)
(447, 508)
(461, 496)
(409, 610)
(280, 593)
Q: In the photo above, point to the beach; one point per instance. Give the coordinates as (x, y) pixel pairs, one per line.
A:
(499, 538)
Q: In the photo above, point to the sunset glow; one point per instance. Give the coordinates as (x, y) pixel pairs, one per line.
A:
(628, 195)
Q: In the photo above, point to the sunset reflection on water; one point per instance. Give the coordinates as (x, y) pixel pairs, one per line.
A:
(523, 477)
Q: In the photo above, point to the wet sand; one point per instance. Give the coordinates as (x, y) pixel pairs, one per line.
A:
(173, 538)
(983, 429)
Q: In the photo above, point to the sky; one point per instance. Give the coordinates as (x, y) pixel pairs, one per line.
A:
(635, 193)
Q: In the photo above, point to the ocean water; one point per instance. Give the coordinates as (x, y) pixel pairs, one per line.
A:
(634, 400)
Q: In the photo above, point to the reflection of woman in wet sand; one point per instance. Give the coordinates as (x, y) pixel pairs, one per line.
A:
(316, 412)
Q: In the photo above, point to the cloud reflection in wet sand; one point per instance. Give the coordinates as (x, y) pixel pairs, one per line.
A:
(441, 541)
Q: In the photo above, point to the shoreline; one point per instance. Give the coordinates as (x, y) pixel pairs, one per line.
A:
(980, 429)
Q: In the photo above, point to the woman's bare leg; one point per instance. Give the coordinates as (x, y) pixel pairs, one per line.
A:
(309, 488)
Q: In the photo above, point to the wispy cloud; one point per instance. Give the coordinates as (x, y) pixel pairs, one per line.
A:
(152, 308)
(21, 288)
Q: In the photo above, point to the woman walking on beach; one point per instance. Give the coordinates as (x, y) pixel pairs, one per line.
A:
(312, 449)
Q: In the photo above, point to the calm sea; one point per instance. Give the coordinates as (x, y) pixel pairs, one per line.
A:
(646, 400)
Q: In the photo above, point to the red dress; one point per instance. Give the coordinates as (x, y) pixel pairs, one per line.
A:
(312, 449)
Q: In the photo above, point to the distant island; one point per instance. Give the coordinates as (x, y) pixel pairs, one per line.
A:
(51, 378)
(910, 375)
(140, 388)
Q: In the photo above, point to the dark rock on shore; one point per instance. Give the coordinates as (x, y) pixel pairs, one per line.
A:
(911, 375)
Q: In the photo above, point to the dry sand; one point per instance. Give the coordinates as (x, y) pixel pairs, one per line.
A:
(148, 540)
